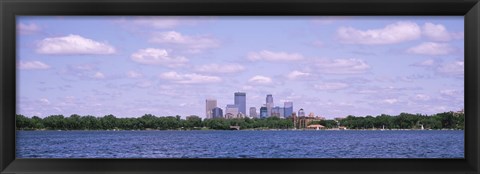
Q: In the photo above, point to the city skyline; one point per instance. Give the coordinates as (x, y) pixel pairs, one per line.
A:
(331, 66)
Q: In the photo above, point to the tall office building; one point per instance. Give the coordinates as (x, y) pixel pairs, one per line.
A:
(231, 111)
(209, 105)
(288, 109)
(301, 113)
(276, 111)
(269, 104)
(217, 112)
(241, 102)
(263, 112)
(281, 112)
(253, 112)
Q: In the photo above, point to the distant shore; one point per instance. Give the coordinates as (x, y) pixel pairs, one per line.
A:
(240, 130)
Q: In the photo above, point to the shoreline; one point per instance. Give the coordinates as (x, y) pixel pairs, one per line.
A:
(116, 130)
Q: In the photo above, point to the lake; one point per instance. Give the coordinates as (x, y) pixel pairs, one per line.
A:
(241, 144)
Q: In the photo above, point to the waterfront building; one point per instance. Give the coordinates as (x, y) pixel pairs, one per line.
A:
(217, 112)
(253, 112)
(301, 113)
(263, 112)
(231, 111)
(302, 122)
(288, 109)
(269, 104)
(209, 105)
(311, 114)
(241, 102)
(315, 126)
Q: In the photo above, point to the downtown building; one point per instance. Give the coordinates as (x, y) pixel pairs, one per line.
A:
(217, 112)
(263, 112)
(253, 112)
(231, 111)
(240, 100)
(269, 104)
(288, 109)
(210, 104)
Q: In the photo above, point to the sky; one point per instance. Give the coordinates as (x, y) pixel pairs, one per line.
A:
(332, 66)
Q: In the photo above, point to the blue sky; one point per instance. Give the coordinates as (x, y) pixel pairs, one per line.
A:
(331, 66)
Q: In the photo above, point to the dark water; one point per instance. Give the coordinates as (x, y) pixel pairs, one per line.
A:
(240, 144)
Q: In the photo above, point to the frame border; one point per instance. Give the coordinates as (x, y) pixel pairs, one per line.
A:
(470, 9)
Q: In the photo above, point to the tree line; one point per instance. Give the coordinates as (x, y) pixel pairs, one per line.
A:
(147, 121)
(446, 120)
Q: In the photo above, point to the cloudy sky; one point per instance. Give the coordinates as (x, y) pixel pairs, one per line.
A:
(331, 66)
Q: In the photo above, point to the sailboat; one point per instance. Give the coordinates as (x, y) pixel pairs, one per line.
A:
(383, 128)
(422, 127)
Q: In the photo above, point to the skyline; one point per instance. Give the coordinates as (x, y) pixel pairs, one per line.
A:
(331, 66)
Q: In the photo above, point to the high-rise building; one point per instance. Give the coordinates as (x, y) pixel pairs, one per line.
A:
(301, 113)
(231, 111)
(263, 112)
(276, 111)
(288, 108)
(217, 112)
(269, 104)
(281, 112)
(209, 105)
(241, 102)
(253, 112)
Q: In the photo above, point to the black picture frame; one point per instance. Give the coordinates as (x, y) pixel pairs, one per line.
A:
(470, 9)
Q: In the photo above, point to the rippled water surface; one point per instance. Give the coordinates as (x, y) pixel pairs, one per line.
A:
(240, 144)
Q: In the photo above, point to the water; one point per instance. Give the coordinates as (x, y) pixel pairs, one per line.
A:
(240, 144)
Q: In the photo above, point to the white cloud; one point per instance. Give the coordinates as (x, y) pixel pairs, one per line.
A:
(193, 43)
(426, 63)
(144, 84)
(73, 45)
(431, 48)
(32, 65)
(98, 75)
(297, 74)
(44, 101)
(162, 22)
(158, 22)
(274, 56)
(390, 101)
(134, 74)
(27, 28)
(422, 97)
(219, 68)
(331, 86)
(261, 80)
(438, 32)
(342, 66)
(390, 34)
(189, 78)
(456, 68)
(452, 93)
(153, 56)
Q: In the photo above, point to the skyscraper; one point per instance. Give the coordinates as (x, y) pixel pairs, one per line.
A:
(241, 102)
(209, 105)
(276, 111)
(288, 108)
(253, 112)
(231, 111)
(263, 112)
(217, 112)
(281, 112)
(269, 104)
